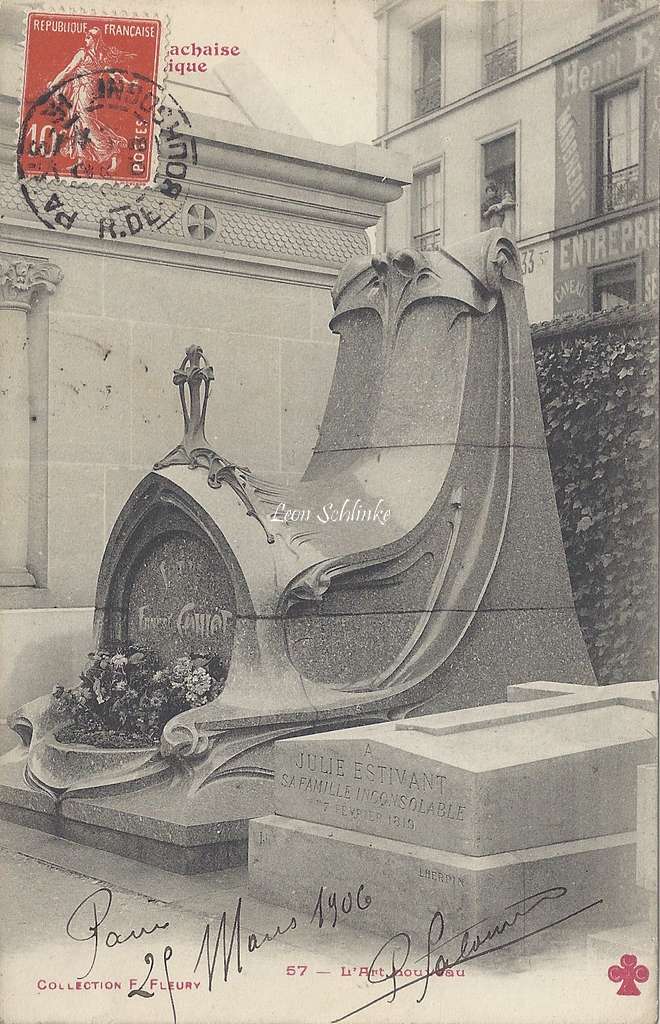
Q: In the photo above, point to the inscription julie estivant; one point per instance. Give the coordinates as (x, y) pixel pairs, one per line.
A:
(366, 785)
(368, 771)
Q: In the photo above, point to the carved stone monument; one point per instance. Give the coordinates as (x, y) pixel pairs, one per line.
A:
(417, 566)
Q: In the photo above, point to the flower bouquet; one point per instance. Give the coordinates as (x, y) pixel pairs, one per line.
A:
(124, 699)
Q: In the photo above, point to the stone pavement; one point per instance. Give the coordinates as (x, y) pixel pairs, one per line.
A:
(51, 972)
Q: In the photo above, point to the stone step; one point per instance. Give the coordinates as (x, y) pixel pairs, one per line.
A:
(292, 861)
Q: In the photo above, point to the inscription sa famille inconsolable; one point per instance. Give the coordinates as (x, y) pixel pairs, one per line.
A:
(179, 599)
(371, 794)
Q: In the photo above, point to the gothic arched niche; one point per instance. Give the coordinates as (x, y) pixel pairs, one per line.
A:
(169, 581)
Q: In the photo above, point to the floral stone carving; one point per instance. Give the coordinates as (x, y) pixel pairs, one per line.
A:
(21, 279)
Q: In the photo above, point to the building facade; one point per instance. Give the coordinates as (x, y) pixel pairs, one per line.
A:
(544, 118)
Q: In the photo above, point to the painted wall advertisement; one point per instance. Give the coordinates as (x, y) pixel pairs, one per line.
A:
(605, 217)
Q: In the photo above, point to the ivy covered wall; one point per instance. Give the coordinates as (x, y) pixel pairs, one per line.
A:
(598, 381)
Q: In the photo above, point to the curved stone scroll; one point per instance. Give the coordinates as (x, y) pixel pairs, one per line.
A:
(63, 769)
(489, 410)
(434, 408)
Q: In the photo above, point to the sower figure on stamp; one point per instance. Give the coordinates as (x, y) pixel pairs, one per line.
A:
(89, 141)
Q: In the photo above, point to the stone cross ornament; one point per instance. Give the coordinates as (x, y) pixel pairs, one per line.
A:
(194, 450)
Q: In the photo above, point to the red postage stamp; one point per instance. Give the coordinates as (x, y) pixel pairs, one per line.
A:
(90, 93)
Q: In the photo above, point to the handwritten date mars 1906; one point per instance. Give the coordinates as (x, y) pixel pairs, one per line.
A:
(87, 923)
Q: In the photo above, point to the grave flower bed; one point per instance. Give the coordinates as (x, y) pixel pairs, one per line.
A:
(125, 698)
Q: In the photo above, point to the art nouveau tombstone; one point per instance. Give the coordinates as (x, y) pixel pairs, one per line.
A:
(417, 566)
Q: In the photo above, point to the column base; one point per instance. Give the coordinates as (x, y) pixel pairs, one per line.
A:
(16, 578)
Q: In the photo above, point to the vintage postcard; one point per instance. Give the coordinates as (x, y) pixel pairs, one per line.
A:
(328, 547)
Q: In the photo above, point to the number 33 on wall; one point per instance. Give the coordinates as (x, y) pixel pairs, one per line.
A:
(531, 258)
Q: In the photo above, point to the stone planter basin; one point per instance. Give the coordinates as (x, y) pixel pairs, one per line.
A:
(65, 767)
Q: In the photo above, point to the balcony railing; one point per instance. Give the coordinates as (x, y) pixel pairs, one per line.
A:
(428, 97)
(428, 240)
(501, 63)
(610, 8)
(620, 188)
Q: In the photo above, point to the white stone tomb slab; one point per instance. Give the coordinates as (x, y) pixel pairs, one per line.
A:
(480, 781)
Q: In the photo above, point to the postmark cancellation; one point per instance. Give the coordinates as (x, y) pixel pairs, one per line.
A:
(90, 90)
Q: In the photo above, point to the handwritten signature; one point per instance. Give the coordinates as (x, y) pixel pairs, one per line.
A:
(397, 949)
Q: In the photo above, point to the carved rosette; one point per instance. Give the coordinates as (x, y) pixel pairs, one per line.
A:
(21, 279)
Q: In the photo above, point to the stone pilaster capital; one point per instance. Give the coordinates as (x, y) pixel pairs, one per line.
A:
(21, 278)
